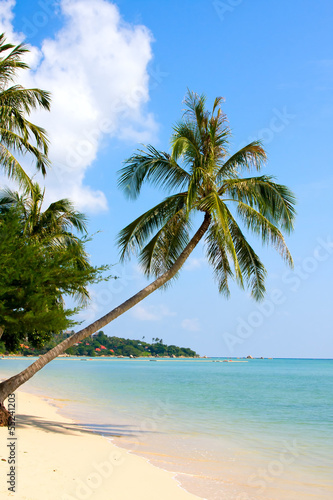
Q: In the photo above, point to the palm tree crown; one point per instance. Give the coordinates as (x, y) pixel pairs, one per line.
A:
(17, 134)
(207, 180)
(54, 227)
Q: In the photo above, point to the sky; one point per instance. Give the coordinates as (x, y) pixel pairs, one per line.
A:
(118, 73)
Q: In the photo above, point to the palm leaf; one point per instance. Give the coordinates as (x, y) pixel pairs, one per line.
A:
(16, 132)
(275, 201)
(217, 255)
(65, 215)
(251, 156)
(186, 143)
(154, 167)
(134, 236)
(25, 99)
(269, 233)
(165, 247)
(13, 168)
(215, 206)
(252, 269)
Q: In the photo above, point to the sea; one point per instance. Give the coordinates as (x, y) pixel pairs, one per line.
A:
(237, 430)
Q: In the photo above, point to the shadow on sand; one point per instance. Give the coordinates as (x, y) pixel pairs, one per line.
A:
(72, 428)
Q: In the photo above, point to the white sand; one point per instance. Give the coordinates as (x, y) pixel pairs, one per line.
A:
(55, 460)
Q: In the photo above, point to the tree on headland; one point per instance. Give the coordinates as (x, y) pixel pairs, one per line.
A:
(203, 181)
(17, 134)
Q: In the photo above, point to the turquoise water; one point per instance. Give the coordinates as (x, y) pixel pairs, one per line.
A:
(241, 430)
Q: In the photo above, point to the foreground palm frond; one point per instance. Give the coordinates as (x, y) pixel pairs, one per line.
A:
(18, 136)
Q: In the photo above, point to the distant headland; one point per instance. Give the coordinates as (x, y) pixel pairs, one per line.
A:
(101, 345)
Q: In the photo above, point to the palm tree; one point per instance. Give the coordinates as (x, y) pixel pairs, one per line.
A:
(17, 134)
(52, 227)
(209, 183)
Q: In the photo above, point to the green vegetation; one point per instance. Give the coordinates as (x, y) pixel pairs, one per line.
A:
(34, 278)
(17, 133)
(102, 345)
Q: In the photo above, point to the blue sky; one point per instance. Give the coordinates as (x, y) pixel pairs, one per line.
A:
(118, 72)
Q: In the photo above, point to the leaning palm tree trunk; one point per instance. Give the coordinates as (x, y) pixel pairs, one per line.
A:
(10, 385)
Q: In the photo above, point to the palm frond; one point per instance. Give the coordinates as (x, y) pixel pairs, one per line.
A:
(217, 105)
(269, 233)
(217, 255)
(251, 156)
(165, 247)
(195, 188)
(154, 167)
(13, 121)
(17, 134)
(186, 143)
(219, 142)
(216, 207)
(11, 62)
(25, 99)
(252, 269)
(65, 215)
(275, 201)
(8, 197)
(134, 236)
(13, 168)
(20, 144)
(195, 108)
(186, 149)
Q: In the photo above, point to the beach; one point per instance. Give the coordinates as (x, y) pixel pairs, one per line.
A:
(259, 430)
(142, 142)
(56, 459)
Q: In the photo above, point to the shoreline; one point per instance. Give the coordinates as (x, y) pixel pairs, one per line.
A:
(58, 459)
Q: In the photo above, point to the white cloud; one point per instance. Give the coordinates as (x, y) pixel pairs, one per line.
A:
(194, 263)
(143, 314)
(95, 66)
(151, 313)
(192, 325)
(6, 19)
